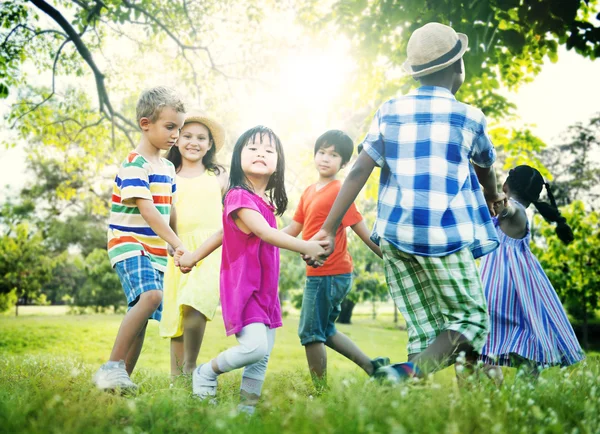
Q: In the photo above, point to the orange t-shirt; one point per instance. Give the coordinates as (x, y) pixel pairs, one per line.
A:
(312, 211)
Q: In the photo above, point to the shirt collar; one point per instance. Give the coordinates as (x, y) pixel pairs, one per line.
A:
(435, 91)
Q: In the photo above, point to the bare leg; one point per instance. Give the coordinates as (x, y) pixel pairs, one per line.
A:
(344, 345)
(194, 325)
(442, 352)
(317, 361)
(133, 323)
(176, 356)
(134, 352)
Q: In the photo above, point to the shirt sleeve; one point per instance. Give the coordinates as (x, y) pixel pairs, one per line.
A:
(483, 154)
(373, 144)
(299, 214)
(352, 216)
(237, 199)
(134, 184)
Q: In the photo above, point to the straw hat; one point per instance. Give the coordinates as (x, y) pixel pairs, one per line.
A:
(217, 131)
(433, 47)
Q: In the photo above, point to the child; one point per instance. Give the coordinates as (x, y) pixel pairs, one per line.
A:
(191, 299)
(139, 229)
(327, 286)
(250, 263)
(432, 218)
(527, 321)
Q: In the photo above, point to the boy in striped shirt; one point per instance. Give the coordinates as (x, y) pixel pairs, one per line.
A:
(140, 226)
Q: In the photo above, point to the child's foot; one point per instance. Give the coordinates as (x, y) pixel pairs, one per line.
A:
(112, 375)
(397, 373)
(379, 362)
(204, 384)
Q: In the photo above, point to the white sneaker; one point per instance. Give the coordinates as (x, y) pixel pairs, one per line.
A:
(202, 386)
(115, 377)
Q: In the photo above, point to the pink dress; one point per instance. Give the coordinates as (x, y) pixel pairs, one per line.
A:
(249, 268)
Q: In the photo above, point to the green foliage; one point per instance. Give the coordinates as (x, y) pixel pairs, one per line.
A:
(8, 300)
(574, 165)
(574, 269)
(508, 41)
(24, 265)
(102, 288)
(68, 276)
(47, 365)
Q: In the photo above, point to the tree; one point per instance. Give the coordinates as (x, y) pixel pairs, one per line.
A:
(102, 288)
(24, 266)
(574, 269)
(575, 170)
(68, 276)
(509, 40)
(67, 40)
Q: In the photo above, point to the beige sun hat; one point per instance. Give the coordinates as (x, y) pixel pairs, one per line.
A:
(216, 129)
(433, 47)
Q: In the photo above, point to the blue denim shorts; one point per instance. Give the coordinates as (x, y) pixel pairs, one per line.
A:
(137, 275)
(321, 306)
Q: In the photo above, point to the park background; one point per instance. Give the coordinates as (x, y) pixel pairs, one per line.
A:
(70, 74)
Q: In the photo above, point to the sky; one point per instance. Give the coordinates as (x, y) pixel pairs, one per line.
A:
(563, 93)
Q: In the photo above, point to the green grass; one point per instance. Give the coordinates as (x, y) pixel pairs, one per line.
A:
(46, 363)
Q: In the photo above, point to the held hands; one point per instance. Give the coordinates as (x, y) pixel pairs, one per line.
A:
(326, 242)
(493, 198)
(183, 259)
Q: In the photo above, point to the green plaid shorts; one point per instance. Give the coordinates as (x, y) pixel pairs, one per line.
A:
(435, 294)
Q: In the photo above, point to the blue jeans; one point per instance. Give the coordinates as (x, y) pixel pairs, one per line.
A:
(321, 306)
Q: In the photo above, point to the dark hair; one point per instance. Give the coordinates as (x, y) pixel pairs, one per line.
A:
(342, 144)
(209, 159)
(276, 184)
(527, 183)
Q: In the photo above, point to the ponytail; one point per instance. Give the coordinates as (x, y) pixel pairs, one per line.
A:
(551, 214)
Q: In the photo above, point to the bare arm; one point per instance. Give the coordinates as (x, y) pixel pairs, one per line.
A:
(223, 179)
(187, 259)
(249, 220)
(362, 231)
(487, 179)
(157, 223)
(512, 219)
(293, 229)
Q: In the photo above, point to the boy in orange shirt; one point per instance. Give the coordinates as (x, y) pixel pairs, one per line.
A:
(327, 286)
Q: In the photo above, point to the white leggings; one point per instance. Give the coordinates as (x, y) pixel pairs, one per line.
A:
(256, 341)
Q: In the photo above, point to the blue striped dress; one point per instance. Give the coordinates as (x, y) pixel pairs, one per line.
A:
(526, 316)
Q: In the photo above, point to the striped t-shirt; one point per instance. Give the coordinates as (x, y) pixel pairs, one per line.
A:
(129, 234)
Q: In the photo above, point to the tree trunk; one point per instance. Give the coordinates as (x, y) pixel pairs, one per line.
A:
(586, 344)
(346, 312)
(17, 308)
(395, 314)
(374, 309)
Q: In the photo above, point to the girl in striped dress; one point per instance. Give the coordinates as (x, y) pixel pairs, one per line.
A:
(528, 325)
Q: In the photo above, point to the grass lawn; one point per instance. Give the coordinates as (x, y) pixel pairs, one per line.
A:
(46, 363)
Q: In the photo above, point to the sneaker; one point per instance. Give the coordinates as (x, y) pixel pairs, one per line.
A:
(202, 386)
(379, 362)
(249, 410)
(111, 377)
(396, 373)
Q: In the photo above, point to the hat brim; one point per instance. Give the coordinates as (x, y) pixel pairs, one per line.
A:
(464, 39)
(216, 130)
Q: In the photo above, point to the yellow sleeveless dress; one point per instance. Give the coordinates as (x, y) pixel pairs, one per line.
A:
(199, 213)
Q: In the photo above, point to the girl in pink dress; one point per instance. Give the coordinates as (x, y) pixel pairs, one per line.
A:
(250, 263)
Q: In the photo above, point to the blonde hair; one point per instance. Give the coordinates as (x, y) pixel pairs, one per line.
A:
(153, 100)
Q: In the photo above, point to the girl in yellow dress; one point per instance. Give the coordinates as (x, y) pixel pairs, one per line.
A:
(190, 300)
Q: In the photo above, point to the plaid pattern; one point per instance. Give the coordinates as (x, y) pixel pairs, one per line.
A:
(137, 275)
(437, 294)
(430, 202)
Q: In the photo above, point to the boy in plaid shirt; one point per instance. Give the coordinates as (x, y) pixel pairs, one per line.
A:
(432, 216)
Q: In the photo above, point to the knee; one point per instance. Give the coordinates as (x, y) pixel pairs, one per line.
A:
(256, 351)
(152, 298)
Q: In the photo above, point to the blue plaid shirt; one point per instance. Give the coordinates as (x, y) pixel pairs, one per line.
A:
(430, 202)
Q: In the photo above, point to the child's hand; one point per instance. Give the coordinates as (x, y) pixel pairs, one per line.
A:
(185, 260)
(492, 198)
(500, 206)
(315, 249)
(170, 250)
(179, 252)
